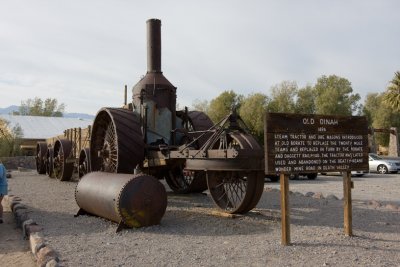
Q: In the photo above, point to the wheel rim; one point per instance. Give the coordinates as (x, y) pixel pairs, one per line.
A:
(50, 162)
(116, 144)
(84, 162)
(236, 191)
(41, 150)
(382, 169)
(62, 152)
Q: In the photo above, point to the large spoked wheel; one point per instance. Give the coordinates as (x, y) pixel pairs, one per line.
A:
(84, 162)
(63, 164)
(184, 181)
(41, 149)
(117, 143)
(50, 162)
(382, 169)
(236, 191)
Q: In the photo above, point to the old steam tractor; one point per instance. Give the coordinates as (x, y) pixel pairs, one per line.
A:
(183, 147)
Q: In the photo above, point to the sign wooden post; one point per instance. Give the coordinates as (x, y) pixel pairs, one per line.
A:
(309, 144)
(348, 216)
(285, 211)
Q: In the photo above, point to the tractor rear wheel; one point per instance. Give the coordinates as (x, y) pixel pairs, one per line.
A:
(179, 179)
(116, 144)
(63, 165)
(237, 191)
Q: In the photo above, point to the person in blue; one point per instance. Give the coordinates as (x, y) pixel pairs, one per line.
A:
(3, 188)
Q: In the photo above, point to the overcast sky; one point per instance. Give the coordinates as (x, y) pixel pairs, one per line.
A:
(84, 52)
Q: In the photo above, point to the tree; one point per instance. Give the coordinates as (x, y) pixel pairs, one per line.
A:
(380, 116)
(283, 97)
(392, 95)
(10, 140)
(305, 103)
(200, 105)
(334, 96)
(371, 105)
(252, 112)
(37, 107)
(222, 105)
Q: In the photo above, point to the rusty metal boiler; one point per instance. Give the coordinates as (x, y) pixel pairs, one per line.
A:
(128, 199)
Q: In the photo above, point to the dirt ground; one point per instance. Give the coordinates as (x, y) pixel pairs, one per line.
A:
(189, 235)
(14, 251)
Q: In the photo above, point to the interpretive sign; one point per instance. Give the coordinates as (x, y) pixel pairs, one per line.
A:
(296, 143)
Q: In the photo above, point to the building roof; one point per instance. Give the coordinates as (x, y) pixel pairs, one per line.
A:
(36, 127)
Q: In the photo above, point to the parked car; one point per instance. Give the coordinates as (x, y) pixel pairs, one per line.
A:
(382, 165)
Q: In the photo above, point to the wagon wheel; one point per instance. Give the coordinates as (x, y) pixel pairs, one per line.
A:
(178, 178)
(237, 191)
(50, 162)
(84, 162)
(117, 142)
(63, 165)
(41, 149)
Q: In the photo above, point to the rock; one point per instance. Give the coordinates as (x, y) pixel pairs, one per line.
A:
(36, 242)
(309, 194)
(298, 194)
(318, 195)
(52, 263)
(332, 197)
(13, 203)
(18, 207)
(20, 216)
(45, 255)
(392, 206)
(374, 204)
(33, 228)
(24, 224)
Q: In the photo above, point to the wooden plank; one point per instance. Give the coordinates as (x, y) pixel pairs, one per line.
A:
(285, 212)
(348, 216)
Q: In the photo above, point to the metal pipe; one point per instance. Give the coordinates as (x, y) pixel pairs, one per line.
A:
(126, 95)
(153, 45)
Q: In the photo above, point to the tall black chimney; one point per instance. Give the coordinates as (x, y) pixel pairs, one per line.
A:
(153, 45)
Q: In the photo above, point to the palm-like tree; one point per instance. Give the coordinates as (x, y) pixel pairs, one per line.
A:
(392, 95)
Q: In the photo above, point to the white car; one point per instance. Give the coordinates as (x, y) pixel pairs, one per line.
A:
(382, 165)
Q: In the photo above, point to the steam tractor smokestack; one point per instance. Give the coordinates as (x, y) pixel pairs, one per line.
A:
(153, 45)
(154, 97)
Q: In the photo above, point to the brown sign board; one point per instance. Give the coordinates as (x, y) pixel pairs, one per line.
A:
(298, 143)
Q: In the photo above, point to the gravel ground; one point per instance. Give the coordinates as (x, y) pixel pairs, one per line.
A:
(190, 235)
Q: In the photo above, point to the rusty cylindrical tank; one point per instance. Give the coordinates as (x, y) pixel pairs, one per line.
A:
(131, 200)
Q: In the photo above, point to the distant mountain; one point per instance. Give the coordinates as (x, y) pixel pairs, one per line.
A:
(11, 109)
(79, 116)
